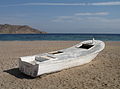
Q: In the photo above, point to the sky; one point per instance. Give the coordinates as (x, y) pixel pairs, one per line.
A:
(63, 16)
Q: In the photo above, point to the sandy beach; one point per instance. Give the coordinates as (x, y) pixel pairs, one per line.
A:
(102, 73)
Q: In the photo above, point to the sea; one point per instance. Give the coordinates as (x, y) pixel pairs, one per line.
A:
(59, 37)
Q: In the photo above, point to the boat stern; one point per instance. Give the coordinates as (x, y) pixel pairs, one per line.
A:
(28, 68)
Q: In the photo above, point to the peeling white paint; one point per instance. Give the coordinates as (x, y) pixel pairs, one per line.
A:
(55, 61)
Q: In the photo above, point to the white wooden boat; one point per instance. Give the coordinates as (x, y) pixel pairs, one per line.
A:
(54, 61)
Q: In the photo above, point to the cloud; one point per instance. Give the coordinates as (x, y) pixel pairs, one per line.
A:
(67, 4)
(105, 3)
(89, 14)
(55, 4)
(75, 4)
(76, 16)
(63, 18)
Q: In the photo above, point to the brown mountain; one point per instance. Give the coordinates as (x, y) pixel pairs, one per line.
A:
(18, 29)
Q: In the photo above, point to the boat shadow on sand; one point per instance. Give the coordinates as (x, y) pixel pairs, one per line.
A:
(15, 72)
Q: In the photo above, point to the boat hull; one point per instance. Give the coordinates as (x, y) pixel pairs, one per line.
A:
(76, 55)
(28, 69)
(39, 69)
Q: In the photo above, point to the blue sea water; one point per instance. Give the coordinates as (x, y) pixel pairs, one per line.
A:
(61, 37)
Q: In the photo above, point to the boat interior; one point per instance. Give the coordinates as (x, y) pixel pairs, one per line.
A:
(56, 52)
(53, 54)
(86, 46)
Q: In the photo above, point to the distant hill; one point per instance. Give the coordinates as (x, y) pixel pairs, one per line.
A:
(18, 29)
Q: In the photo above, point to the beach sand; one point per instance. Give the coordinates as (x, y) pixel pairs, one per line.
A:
(102, 73)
